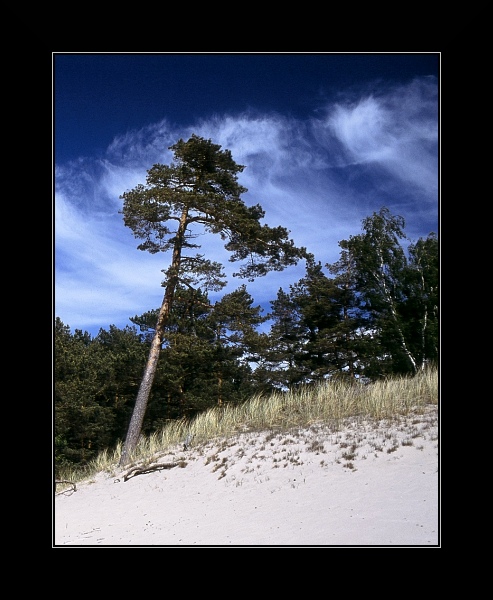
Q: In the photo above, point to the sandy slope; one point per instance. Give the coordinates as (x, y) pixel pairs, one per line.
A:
(366, 485)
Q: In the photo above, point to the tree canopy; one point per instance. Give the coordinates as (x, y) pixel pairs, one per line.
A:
(372, 314)
(199, 192)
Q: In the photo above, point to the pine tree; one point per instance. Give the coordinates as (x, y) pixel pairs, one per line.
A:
(281, 367)
(234, 322)
(198, 193)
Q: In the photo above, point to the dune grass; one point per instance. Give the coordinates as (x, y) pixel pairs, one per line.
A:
(328, 402)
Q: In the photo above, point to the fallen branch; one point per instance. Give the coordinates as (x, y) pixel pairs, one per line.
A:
(57, 481)
(139, 470)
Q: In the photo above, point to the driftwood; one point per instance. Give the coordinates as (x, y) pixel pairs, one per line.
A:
(137, 470)
(140, 470)
(65, 481)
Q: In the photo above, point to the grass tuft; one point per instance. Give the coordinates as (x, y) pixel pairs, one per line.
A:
(329, 402)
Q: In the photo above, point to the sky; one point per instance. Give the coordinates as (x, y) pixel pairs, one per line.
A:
(326, 139)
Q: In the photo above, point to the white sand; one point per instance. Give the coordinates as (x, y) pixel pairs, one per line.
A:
(366, 485)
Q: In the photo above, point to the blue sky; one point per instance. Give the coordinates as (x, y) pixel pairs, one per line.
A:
(327, 139)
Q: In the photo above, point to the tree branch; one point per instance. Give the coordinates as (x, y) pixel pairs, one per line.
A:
(140, 470)
(57, 481)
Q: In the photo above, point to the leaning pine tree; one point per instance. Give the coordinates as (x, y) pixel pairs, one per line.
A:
(198, 193)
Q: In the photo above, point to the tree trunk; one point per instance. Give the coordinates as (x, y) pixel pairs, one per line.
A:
(135, 427)
(390, 301)
(140, 407)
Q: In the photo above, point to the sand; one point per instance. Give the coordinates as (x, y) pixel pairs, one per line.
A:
(367, 484)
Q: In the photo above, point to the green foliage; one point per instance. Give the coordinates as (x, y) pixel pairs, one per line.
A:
(200, 188)
(95, 380)
(198, 193)
(377, 316)
(329, 403)
(395, 298)
(374, 318)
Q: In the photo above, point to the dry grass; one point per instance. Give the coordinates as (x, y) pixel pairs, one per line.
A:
(328, 403)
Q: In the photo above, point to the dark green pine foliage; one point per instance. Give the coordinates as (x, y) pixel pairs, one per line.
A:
(234, 322)
(280, 366)
(80, 422)
(312, 333)
(183, 383)
(352, 342)
(206, 354)
(123, 353)
(320, 303)
(93, 384)
(199, 193)
(74, 387)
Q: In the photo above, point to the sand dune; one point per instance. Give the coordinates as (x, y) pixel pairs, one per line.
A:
(368, 484)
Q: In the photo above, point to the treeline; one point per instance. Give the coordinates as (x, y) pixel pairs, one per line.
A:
(371, 315)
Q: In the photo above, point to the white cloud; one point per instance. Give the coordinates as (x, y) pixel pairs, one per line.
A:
(317, 178)
(397, 131)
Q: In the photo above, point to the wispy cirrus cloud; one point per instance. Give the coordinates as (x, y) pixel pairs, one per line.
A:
(317, 177)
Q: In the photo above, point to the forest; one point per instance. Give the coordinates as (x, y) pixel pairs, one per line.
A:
(371, 315)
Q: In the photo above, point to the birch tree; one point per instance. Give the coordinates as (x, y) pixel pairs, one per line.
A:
(390, 289)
